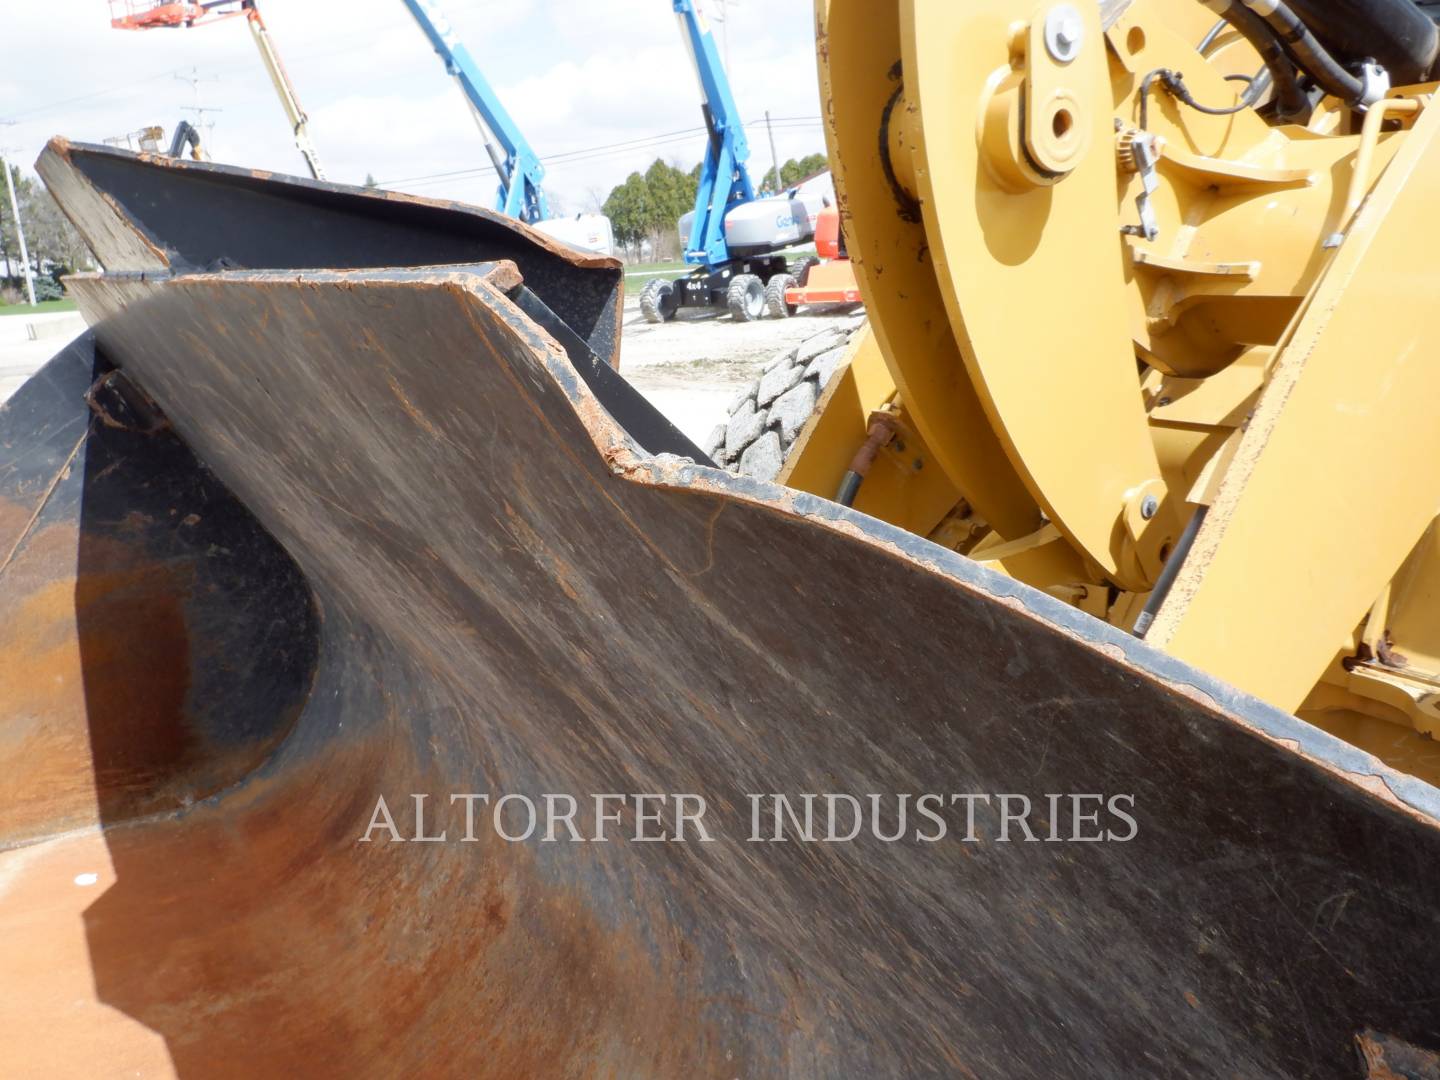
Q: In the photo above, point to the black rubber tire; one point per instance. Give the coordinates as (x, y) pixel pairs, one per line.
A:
(745, 298)
(776, 306)
(800, 269)
(715, 447)
(658, 300)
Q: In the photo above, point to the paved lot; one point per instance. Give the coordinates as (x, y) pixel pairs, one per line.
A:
(21, 357)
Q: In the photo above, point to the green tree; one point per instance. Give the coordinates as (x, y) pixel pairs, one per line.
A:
(649, 206)
(628, 209)
(370, 181)
(52, 243)
(665, 186)
(792, 172)
(688, 182)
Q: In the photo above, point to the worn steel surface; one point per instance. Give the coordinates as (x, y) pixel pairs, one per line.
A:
(510, 600)
(152, 212)
(148, 213)
(137, 601)
(476, 583)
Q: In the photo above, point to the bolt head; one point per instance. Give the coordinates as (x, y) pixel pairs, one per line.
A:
(1148, 506)
(1064, 33)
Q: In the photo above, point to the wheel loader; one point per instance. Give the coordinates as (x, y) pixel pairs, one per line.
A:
(342, 519)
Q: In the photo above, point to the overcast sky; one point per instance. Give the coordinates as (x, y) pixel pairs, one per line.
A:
(577, 75)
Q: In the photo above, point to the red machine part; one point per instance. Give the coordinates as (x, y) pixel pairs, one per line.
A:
(832, 281)
(153, 14)
(827, 233)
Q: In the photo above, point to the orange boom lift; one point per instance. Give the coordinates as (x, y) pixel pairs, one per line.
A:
(171, 14)
(832, 279)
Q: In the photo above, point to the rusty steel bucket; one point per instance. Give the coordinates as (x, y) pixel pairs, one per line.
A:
(342, 498)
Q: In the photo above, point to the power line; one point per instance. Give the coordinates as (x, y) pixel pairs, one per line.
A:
(591, 153)
(230, 69)
(107, 92)
(626, 144)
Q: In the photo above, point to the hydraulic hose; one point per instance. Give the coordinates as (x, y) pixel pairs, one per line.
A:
(880, 433)
(185, 133)
(1399, 35)
(1289, 98)
(1209, 39)
(1299, 43)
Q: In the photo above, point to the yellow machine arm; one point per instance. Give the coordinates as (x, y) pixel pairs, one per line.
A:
(285, 90)
(1151, 306)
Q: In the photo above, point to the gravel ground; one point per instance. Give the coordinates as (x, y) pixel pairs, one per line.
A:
(691, 369)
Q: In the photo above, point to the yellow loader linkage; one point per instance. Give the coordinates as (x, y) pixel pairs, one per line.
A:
(1146, 348)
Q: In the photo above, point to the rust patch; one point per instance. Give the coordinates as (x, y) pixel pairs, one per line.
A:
(1387, 1058)
(293, 949)
(96, 722)
(113, 644)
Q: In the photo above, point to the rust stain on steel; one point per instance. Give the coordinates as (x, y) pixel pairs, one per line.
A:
(522, 603)
(469, 967)
(96, 213)
(136, 219)
(111, 640)
(1389, 1058)
(132, 626)
(63, 150)
(574, 616)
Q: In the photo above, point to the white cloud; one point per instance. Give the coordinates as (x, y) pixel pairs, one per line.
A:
(575, 75)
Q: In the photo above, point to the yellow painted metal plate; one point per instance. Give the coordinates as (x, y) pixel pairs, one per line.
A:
(860, 45)
(1032, 282)
(1346, 426)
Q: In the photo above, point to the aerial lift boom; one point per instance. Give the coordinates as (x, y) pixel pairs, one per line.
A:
(156, 14)
(724, 179)
(731, 238)
(284, 89)
(520, 194)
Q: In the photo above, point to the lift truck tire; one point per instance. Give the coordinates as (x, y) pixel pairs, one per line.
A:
(775, 303)
(658, 302)
(745, 298)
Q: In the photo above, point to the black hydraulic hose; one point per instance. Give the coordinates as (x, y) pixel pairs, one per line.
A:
(185, 133)
(1299, 43)
(1289, 98)
(1174, 82)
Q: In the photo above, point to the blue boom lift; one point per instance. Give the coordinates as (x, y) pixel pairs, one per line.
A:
(519, 193)
(731, 237)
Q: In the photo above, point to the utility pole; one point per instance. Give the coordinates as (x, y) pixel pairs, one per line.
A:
(774, 161)
(201, 124)
(19, 230)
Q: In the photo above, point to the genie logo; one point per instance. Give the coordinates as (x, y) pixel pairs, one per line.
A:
(785, 221)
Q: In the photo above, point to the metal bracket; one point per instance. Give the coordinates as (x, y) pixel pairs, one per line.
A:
(1140, 152)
